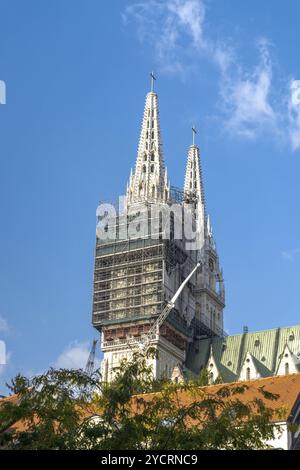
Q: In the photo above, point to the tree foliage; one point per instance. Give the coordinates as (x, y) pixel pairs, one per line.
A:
(67, 409)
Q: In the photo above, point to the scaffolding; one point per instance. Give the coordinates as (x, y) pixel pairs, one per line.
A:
(130, 274)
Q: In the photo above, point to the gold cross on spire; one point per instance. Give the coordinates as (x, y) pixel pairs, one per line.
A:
(194, 134)
(152, 76)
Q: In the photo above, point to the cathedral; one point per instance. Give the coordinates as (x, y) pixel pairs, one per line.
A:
(145, 250)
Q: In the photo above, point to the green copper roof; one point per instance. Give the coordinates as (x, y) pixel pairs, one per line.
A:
(265, 347)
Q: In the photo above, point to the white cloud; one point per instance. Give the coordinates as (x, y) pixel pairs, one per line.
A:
(294, 114)
(75, 356)
(3, 325)
(251, 102)
(167, 25)
(246, 98)
(290, 255)
(190, 14)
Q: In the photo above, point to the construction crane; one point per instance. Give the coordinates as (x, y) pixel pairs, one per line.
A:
(145, 341)
(90, 365)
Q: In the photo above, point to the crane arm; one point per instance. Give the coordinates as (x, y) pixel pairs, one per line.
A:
(170, 305)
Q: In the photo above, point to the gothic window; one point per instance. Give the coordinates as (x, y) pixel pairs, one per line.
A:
(286, 368)
(152, 135)
(148, 123)
(153, 191)
(144, 168)
(153, 146)
(248, 373)
(152, 157)
(152, 168)
(195, 184)
(146, 145)
(140, 188)
(152, 124)
(145, 155)
(211, 377)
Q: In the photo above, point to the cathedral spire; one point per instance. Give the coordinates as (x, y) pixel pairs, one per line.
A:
(193, 186)
(193, 182)
(149, 181)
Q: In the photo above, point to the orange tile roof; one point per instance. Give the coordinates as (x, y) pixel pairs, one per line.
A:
(287, 387)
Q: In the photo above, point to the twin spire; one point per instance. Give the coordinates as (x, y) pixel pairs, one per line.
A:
(149, 182)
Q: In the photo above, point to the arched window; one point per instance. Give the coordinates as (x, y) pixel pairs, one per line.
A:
(153, 191)
(146, 145)
(152, 135)
(152, 157)
(286, 368)
(144, 168)
(248, 373)
(211, 377)
(140, 188)
(152, 168)
(145, 155)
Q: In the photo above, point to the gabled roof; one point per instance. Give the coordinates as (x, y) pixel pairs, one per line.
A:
(229, 353)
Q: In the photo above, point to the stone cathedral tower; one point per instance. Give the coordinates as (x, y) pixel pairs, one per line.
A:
(151, 252)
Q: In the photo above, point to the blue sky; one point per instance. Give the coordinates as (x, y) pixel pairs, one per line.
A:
(76, 75)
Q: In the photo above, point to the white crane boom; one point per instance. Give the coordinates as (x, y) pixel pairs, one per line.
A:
(165, 312)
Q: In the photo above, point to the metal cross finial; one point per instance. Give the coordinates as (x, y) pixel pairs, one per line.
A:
(194, 134)
(152, 80)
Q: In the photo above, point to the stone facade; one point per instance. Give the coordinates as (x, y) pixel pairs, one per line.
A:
(135, 277)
